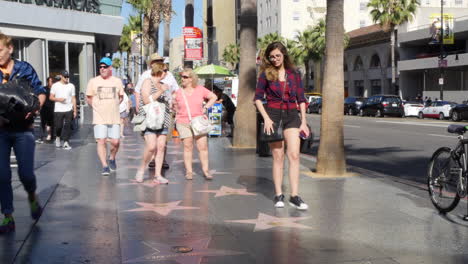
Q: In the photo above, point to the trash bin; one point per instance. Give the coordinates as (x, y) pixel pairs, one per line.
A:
(263, 149)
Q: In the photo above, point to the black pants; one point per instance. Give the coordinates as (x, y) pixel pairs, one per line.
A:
(62, 122)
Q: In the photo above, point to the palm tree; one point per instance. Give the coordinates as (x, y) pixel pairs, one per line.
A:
(331, 159)
(125, 43)
(312, 44)
(231, 55)
(264, 41)
(294, 51)
(390, 14)
(245, 130)
(152, 17)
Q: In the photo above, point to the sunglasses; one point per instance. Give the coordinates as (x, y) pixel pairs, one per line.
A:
(165, 70)
(274, 57)
(185, 76)
(103, 67)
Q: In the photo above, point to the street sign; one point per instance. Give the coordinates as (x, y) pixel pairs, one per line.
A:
(441, 81)
(443, 63)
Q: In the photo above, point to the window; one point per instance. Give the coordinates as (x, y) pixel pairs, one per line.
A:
(276, 18)
(345, 66)
(459, 2)
(358, 64)
(428, 2)
(362, 23)
(363, 6)
(296, 16)
(359, 87)
(296, 1)
(375, 87)
(375, 61)
(56, 57)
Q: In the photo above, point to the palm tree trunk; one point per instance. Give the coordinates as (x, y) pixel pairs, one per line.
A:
(331, 159)
(245, 132)
(307, 74)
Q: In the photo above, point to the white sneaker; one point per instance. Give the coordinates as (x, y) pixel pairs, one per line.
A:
(66, 146)
(139, 176)
(57, 142)
(161, 180)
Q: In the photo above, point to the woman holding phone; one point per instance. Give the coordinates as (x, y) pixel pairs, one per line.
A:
(280, 84)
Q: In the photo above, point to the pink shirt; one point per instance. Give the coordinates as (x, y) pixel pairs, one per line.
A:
(195, 102)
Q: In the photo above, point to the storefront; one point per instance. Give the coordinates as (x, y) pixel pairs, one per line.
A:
(57, 37)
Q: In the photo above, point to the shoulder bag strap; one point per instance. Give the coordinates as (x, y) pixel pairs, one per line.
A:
(186, 105)
(282, 95)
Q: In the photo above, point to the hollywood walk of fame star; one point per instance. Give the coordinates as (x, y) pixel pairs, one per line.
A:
(148, 183)
(224, 191)
(182, 161)
(164, 252)
(215, 172)
(265, 221)
(163, 209)
(174, 152)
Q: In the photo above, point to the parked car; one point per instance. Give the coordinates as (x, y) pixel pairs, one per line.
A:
(459, 112)
(315, 106)
(381, 105)
(353, 104)
(437, 109)
(412, 108)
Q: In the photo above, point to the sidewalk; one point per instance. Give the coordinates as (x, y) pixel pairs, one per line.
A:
(89, 218)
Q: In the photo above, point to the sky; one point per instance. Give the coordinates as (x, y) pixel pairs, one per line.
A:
(178, 19)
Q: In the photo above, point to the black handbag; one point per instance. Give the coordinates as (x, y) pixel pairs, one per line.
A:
(277, 134)
(17, 100)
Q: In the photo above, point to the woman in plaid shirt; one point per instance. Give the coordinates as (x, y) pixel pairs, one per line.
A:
(280, 84)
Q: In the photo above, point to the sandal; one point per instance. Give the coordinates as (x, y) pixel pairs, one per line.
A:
(208, 176)
(160, 180)
(189, 175)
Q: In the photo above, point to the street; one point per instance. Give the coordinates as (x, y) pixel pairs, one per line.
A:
(399, 147)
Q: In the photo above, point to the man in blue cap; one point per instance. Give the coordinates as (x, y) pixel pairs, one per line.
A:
(104, 94)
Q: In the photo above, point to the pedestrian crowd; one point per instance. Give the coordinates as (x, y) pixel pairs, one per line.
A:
(153, 108)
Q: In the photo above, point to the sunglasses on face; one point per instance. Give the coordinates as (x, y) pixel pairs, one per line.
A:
(185, 76)
(103, 67)
(274, 57)
(165, 70)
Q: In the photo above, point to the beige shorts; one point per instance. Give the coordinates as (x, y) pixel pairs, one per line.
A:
(185, 130)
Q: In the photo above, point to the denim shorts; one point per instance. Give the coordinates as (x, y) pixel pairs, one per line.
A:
(290, 117)
(162, 131)
(107, 131)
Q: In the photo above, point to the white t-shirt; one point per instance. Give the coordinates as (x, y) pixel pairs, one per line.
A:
(123, 107)
(66, 91)
(169, 80)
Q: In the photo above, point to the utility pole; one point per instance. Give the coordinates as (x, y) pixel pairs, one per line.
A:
(441, 56)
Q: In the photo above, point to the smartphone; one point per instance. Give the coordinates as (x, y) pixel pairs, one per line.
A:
(303, 135)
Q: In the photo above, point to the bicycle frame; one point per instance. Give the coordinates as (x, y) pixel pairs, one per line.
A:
(461, 152)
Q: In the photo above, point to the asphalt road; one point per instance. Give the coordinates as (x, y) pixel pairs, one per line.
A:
(400, 147)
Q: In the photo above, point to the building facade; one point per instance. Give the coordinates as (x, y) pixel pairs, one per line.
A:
(220, 28)
(419, 61)
(57, 35)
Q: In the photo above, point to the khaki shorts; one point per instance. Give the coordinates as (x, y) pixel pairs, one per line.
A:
(185, 130)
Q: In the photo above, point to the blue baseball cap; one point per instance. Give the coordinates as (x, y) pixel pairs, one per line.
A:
(107, 61)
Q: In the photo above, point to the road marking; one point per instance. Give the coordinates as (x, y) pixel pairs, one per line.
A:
(352, 126)
(435, 135)
(413, 123)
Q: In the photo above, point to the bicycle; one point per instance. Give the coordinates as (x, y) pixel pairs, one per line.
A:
(448, 173)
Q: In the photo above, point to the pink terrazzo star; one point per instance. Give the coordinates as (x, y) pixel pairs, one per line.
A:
(163, 209)
(265, 221)
(224, 191)
(164, 253)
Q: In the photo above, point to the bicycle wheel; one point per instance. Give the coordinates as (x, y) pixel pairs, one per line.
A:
(442, 180)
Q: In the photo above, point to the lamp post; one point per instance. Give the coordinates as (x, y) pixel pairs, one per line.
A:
(441, 56)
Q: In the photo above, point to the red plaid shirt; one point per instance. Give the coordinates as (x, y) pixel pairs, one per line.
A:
(274, 90)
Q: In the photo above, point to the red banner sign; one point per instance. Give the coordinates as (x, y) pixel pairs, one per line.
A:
(193, 43)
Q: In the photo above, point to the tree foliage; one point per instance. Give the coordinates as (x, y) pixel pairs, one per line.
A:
(231, 55)
(391, 13)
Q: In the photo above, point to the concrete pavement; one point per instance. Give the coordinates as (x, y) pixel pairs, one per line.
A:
(89, 218)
